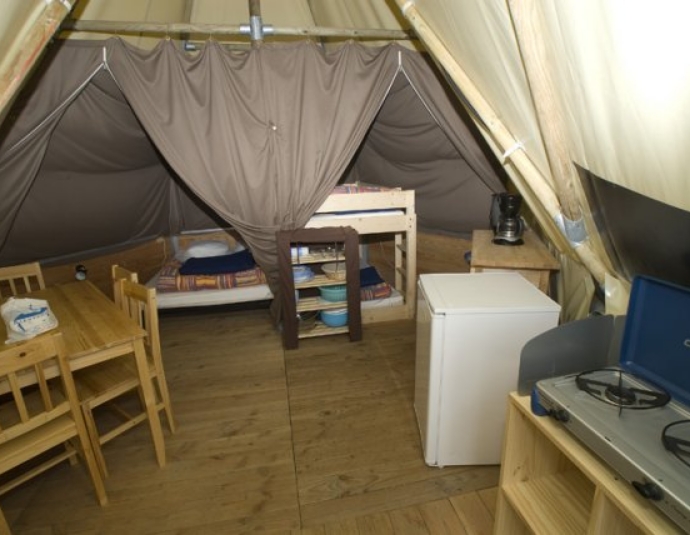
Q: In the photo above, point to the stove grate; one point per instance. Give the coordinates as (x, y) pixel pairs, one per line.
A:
(617, 387)
(676, 439)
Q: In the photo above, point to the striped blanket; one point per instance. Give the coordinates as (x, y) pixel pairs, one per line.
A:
(170, 280)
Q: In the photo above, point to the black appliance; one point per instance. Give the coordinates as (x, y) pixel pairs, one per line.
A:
(505, 219)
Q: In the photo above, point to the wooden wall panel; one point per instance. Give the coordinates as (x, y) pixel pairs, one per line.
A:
(435, 254)
(145, 259)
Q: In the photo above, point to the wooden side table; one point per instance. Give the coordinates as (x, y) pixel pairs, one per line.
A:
(531, 259)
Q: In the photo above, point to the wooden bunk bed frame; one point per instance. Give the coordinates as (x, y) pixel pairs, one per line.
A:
(380, 212)
(369, 213)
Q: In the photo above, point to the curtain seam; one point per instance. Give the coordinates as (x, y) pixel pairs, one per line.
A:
(70, 98)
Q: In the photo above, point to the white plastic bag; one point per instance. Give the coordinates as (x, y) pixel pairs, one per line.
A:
(26, 318)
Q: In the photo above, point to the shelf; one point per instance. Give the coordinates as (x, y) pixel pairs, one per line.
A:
(319, 280)
(317, 258)
(320, 329)
(345, 242)
(558, 503)
(306, 304)
(551, 483)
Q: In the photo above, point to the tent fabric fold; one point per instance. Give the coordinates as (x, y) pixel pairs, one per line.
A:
(111, 145)
(261, 137)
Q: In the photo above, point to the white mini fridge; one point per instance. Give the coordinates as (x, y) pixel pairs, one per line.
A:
(471, 328)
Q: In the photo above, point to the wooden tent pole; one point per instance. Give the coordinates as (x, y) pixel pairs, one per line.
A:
(167, 29)
(27, 49)
(549, 113)
(551, 119)
(502, 138)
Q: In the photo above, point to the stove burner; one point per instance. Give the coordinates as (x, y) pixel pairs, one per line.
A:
(620, 395)
(617, 387)
(676, 439)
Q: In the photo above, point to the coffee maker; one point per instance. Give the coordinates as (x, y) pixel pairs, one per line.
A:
(505, 219)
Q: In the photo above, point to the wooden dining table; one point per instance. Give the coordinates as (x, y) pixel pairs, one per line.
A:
(95, 330)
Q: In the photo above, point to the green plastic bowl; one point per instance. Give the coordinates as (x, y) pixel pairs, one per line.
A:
(333, 293)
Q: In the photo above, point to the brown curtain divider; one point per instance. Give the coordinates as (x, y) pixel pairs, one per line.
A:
(111, 145)
(262, 136)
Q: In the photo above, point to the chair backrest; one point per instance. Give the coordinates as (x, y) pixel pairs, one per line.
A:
(21, 279)
(39, 411)
(139, 303)
(118, 273)
(37, 388)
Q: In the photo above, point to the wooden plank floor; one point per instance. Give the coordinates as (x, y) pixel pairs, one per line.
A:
(318, 440)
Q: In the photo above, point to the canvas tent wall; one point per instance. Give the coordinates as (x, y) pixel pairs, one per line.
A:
(259, 145)
(617, 103)
(620, 105)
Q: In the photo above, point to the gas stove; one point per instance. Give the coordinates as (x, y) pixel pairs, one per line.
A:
(636, 416)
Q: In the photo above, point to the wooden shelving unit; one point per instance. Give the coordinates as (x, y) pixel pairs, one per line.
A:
(551, 483)
(346, 241)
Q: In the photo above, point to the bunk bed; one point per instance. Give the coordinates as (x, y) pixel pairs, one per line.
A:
(373, 212)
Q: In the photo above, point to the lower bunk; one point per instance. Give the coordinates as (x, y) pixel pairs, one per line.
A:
(212, 268)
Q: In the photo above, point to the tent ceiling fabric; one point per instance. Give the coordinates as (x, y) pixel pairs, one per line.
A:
(627, 99)
(274, 12)
(129, 10)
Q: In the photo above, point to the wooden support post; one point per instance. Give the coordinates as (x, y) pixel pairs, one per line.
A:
(29, 46)
(548, 111)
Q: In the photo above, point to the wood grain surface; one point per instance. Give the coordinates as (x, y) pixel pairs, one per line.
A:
(318, 440)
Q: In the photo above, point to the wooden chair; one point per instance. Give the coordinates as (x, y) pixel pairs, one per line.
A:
(119, 273)
(21, 279)
(108, 382)
(39, 411)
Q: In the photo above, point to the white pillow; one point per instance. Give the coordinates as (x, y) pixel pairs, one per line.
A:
(205, 249)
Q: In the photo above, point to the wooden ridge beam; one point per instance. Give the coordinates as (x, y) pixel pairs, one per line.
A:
(166, 29)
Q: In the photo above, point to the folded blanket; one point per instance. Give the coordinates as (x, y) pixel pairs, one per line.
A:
(377, 291)
(170, 280)
(368, 276)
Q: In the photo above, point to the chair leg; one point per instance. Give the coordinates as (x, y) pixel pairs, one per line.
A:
(94, 439)
(72, 458)
(88, 449)
(165, 397)
(160, 390)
